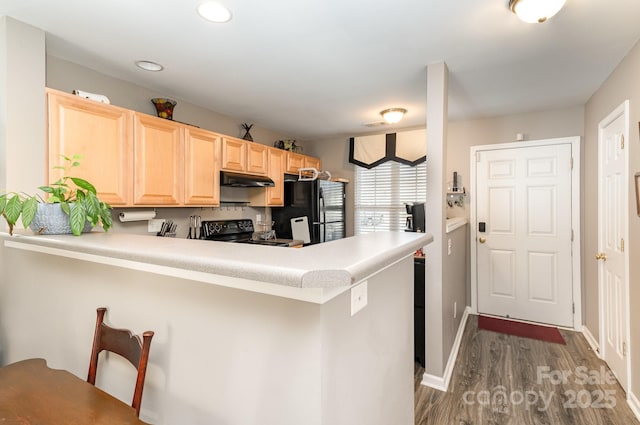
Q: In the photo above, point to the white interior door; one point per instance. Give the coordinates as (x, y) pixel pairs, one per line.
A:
(612, 268)
(523, 256)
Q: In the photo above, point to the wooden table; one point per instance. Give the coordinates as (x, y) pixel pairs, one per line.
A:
(33, 394)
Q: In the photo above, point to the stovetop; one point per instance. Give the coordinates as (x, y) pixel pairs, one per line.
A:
(227, 230)
(239, 231)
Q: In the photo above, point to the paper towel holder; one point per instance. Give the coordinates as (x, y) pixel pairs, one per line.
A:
(144, 215)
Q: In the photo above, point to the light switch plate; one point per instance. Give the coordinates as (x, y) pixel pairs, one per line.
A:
(358, 297)
(155, 225)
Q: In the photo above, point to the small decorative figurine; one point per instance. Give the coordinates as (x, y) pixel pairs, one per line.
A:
(287, 145)
(164, 107)
(247, 136)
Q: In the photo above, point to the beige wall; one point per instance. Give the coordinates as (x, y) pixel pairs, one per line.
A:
(623, 84)
(534, 126)
(67, 76)
(22, 111)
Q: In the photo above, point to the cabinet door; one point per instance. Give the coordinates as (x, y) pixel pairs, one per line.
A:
(234, 154)
(277, 162)
(295, 162)
(158, 161)
(256, 158)
(102, 134)
(202, 168)
(311, 162)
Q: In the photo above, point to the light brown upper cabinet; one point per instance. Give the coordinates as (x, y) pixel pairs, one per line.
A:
(274, 196)
(158, 161)
(234, 154)
(243, 157)
(202, 168)
(296, 161)
(102, 134)
(311, 162)
(257, 161)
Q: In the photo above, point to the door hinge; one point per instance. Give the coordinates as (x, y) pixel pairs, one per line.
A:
(622, 141)
(622, 245)
(624, 348)
(571, 235)
(573, 307)
(477, 156)
(571, 162)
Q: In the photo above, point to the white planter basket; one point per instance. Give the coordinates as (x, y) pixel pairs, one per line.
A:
(51, 220)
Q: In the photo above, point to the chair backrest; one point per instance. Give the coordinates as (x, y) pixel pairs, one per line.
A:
(122, 342)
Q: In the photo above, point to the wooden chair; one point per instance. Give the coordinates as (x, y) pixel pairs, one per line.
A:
(122, 342)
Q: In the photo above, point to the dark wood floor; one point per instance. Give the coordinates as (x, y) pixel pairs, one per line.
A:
(500, 379)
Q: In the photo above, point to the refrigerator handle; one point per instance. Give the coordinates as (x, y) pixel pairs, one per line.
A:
(323, 211)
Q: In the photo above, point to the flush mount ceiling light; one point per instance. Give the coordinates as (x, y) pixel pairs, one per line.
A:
(393, 115)
(535, 11)
(214, 12)
(149, 66)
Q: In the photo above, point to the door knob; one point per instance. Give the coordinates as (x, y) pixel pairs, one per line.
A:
(601, 256)
(481, 239)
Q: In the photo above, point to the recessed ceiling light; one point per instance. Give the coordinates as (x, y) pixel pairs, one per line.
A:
(214, 12)
(149, 66)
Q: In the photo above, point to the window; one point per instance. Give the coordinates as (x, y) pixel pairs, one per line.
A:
(381, 194)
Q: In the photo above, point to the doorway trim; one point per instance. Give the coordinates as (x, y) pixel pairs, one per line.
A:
(622, 109)
(575, 217)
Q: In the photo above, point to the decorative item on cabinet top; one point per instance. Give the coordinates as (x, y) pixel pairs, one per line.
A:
(247, 135)
(92, 96)
(287, 145)
(164, 107)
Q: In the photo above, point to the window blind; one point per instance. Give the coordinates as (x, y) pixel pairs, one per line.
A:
(381, 193)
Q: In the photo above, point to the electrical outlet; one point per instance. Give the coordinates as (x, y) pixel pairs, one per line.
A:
(358, 297)
(155, 225)
(449, 246)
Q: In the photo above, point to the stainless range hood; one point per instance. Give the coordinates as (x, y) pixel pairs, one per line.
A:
(244, 180)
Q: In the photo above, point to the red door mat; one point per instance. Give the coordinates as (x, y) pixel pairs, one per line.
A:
(525, 330)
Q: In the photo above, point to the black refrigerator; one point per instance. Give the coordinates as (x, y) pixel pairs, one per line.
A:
(321, 201)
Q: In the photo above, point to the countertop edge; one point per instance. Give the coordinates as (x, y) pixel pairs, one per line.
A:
(314, 274)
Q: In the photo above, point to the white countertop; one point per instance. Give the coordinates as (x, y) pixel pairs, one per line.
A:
(266, 269)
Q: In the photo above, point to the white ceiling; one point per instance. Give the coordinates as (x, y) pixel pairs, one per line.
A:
(317, 68)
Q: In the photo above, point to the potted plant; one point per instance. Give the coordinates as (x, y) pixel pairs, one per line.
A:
(70, 199)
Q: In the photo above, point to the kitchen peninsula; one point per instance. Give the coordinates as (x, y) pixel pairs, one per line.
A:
(244, 334)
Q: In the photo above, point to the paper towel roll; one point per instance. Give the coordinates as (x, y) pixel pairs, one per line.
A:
(137, 215)
(92, 96)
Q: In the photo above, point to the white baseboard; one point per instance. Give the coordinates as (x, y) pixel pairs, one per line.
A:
(591, 340)
(442, 382)
(634, 403)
